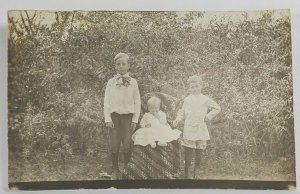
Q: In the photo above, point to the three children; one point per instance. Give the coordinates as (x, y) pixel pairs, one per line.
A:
(122, 106)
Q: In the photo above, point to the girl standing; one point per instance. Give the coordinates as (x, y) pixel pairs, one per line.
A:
(195, 113)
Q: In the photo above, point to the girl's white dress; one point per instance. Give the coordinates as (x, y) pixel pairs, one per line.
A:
(193, 112)
(159, 130)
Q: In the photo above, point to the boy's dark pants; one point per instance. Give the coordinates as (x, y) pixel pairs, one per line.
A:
(120, 133)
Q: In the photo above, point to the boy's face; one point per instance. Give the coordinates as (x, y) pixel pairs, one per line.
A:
(195, 88)
(122, 66)
(154, 108)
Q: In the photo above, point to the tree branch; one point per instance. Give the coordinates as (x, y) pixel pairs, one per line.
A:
(29, 22)
(12, 21)
(24, 24)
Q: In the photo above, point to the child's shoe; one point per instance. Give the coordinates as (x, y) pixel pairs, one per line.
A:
(115, 174)
(162, 143)
(153, 145)
(187, 173)
(197, 173)
(177, 174)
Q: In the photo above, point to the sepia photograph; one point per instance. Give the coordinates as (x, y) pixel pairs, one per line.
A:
(192, 99)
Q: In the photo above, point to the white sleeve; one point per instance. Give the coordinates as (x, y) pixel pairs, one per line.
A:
(107, 96)
(137, 102)
(216, 109)
(180, 113)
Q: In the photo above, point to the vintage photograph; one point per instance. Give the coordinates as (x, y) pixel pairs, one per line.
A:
(149, 95)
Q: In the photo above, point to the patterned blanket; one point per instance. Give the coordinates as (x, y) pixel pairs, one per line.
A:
(153, 163)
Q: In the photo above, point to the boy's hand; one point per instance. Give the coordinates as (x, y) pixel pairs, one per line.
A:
(133, 126)
(109, 125)
(148, 125)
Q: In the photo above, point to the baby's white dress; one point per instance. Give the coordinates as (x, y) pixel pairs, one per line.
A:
(159, 130)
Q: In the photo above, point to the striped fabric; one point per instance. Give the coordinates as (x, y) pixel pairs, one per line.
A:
(153, 163)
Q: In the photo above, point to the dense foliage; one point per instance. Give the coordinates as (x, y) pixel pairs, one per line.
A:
(58, 72)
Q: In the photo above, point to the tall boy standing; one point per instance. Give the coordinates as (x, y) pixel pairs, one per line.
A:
(122, 104)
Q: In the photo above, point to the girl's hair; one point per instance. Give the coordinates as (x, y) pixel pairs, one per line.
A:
(153, 100)
(195, 79)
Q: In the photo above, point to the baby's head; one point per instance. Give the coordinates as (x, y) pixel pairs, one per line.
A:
(153, 104)
(195, 84)
(121, 63)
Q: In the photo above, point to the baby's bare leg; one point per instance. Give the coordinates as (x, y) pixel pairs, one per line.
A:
(160, 143)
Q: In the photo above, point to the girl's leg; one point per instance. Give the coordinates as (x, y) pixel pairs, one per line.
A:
(198, 157)
(188, 160)
(197, 162)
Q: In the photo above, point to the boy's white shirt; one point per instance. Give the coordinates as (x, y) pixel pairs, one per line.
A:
(194, 112)
(122, 99)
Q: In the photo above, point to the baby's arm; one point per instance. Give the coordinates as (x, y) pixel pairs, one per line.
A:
(145, 122)
(215, 109)
(163, 118)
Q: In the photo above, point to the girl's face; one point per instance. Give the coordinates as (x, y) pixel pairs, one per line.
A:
(122, 66)
(195, 88)
(153, 108)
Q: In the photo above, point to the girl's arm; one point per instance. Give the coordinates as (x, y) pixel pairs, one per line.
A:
(180, 114)
(215, 109)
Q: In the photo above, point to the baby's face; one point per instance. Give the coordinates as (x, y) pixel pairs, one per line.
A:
(195, 88)
(153, 108)
(122, 66)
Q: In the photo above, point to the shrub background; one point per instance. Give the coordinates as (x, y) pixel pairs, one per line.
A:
(59, 63)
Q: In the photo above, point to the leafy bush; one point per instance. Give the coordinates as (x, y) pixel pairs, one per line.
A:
(58, 72)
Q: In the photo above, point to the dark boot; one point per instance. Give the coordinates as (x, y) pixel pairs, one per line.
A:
(197, 163)
(115, 166)
(126, 158)
(188, 162)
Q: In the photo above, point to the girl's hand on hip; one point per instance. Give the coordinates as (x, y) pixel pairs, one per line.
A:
(109, 125)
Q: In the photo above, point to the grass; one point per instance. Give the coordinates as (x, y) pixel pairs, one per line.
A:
(95, 168)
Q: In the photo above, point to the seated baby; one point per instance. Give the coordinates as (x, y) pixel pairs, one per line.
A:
(155, 127)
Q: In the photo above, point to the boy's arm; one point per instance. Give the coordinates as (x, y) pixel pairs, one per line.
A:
(137, 103)
(107, 96)
(215, 109)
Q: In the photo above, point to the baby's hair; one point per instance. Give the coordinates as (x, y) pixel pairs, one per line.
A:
(121, 55)
(195, 79)
(153, 100)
